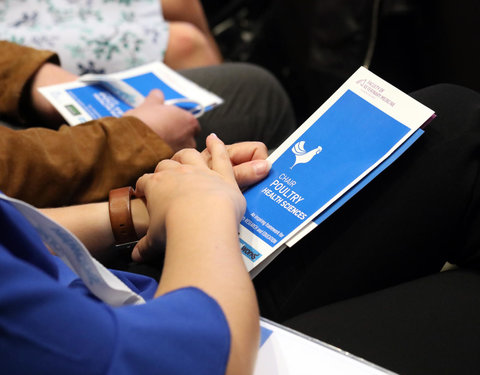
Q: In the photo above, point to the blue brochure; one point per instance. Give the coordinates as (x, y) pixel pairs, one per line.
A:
(335, 153)
(330, 210)
(98, 95)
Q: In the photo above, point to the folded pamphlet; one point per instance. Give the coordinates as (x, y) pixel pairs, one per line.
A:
(99, 95)
(352, 137)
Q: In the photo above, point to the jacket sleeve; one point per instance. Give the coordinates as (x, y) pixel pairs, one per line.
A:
(17, 65)
(74, 164)
(80, 164)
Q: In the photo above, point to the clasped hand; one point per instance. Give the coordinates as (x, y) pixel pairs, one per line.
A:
(192, 182)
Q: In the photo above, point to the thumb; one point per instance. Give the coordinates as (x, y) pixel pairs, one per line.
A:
(155, 96)
(148, 248)
(140, 249)
(251, 172)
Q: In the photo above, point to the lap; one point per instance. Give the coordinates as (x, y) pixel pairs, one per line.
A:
(427, 326)
(422, 211)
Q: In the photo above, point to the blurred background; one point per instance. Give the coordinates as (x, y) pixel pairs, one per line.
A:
(312, 47)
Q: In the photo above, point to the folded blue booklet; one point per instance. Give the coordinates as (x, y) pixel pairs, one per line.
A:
(357, 133)
(99, 95)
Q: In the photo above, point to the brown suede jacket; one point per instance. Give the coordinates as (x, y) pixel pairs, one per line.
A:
(79, 164)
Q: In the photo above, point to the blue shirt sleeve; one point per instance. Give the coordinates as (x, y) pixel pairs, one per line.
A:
(184, 332)
(50, 327)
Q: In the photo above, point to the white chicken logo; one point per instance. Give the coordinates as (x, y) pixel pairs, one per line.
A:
(302, 156)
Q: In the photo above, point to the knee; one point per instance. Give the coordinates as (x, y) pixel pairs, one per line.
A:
(186, 40)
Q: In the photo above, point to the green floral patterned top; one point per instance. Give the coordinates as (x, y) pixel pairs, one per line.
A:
(97, 36)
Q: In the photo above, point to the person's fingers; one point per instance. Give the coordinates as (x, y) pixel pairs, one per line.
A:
(249, 173)
(155, 96)
(197, 129)
(220, 159)
(207, 157)
(142, 251)
(189, 156)
(190, 143)
(243, 152)
(147, 250)
(194, 123)
(140, 185)
(166, 164)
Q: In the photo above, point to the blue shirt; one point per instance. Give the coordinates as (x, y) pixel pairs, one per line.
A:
(50, 323)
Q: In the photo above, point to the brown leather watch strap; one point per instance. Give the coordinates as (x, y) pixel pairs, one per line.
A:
(119, 208)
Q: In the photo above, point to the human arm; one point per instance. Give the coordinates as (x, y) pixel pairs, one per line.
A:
(199, 210)
(73, 165)
(79, 164)
(18, 65)
(47, 74)
(175, 126)
(85, 335)
(91, 223)
(22, 71)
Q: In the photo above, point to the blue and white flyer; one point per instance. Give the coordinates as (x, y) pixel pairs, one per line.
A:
(361, 125)
(98, 95)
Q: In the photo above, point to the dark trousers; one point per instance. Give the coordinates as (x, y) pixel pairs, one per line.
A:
(427, 326)
(255, 108)
(422, 211)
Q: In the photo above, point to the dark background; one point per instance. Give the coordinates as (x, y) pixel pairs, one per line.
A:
(314, 46)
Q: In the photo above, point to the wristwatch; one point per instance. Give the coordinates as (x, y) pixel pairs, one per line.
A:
(120, 211)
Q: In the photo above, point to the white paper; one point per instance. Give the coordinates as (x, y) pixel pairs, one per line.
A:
(287, 352)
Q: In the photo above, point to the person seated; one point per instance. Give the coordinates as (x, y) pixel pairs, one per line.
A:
(81, 164)
(103, 37)
(399, 230)
(201, 318)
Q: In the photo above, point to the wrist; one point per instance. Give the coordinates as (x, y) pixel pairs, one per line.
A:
(120, 212)
(140, 216)
(48, 74)
(131, 214)
(210, 214)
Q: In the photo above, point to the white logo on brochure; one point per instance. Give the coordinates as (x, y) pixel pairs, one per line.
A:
(302, 156)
